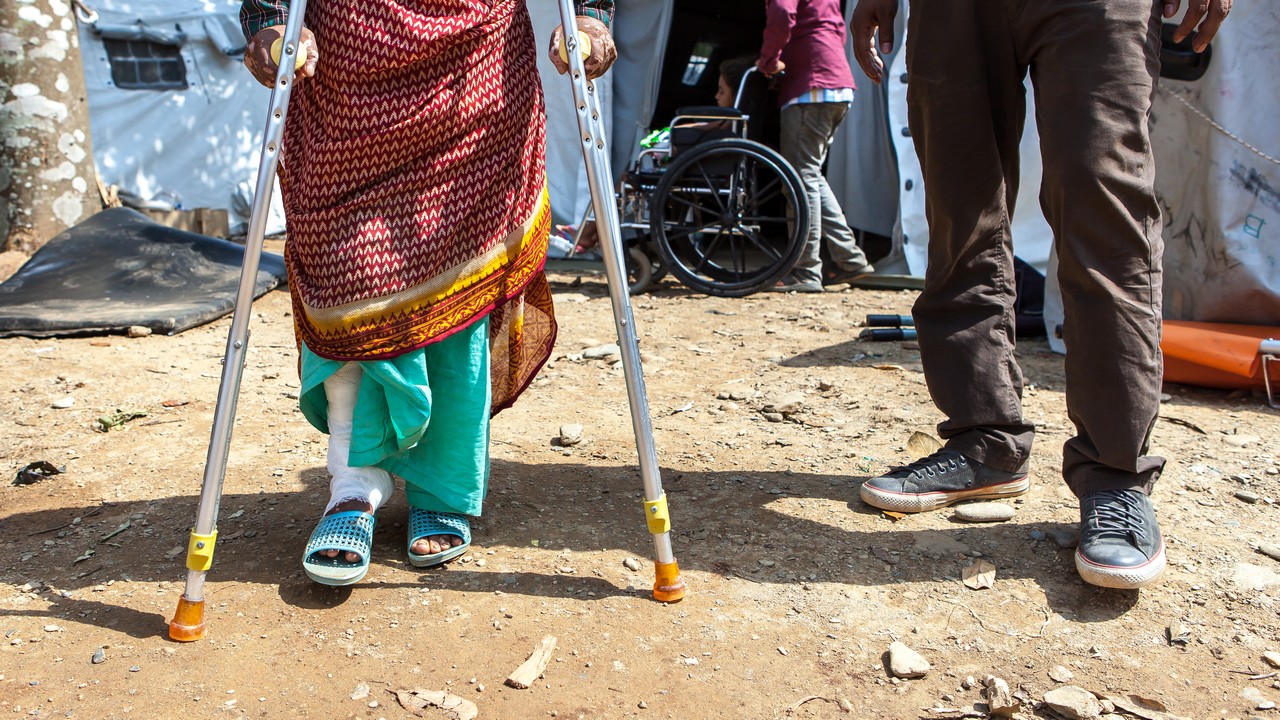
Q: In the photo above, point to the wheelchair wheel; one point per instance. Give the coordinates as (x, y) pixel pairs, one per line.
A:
(729, 217)
(650, 250)
(639, 271)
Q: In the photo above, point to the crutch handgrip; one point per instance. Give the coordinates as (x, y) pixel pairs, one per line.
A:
(299, 59)
(584, 46)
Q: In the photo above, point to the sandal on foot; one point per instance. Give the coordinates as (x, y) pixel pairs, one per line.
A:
(350, 531)
(842, 276)
(425, 523)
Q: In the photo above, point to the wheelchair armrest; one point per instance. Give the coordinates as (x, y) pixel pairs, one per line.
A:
(710, 111)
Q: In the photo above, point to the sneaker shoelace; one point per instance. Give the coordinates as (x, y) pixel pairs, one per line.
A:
(1119, 514)
(935, 463)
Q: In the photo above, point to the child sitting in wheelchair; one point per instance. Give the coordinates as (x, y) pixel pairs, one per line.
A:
(692, 126)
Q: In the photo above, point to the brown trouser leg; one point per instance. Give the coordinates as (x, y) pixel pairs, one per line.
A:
(1093, 64)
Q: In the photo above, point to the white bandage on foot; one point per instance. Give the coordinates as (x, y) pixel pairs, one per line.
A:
(349, 483)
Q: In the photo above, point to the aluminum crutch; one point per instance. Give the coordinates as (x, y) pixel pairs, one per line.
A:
(189, 621)
(668, 585)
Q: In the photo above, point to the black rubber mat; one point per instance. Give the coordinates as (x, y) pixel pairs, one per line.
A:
(120, 269)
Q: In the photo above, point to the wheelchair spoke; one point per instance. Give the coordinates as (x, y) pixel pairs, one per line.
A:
(712, 187)
(737, 256)
(766, 247)
(687, 230)
(735, 182)
(691, 205)
(768, 192)
(706, 256)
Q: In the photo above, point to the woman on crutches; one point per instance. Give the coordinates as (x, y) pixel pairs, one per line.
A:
(413, 174)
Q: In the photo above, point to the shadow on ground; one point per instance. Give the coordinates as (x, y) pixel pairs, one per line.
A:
(725, 523)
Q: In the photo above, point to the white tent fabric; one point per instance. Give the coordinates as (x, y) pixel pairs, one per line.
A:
(1218, 177)
(197, 144)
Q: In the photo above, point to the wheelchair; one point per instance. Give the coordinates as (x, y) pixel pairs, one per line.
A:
(715, 207)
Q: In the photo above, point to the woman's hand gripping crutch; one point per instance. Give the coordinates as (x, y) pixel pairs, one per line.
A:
(586, 55)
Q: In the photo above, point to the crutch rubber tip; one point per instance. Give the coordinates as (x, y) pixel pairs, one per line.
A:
(668, 586)
(188, 622)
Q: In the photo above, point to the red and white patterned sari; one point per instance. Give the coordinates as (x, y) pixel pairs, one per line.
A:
(413, 170)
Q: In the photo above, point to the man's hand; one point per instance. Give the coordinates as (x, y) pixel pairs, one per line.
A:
(257, 54)
(872, 15)
(771, 69)
(603, 51)
(1212, 12)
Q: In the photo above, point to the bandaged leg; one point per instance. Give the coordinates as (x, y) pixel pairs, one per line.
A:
(364, 484)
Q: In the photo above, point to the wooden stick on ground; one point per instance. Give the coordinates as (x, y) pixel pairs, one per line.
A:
(532, 669)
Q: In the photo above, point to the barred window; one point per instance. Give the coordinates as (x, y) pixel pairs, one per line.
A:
(146, 65)
(699, 59)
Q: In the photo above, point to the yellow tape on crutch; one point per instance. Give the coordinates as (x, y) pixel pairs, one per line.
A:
(200, 551)
(655, 511)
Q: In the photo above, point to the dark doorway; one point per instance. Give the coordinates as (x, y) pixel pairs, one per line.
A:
(704, 33)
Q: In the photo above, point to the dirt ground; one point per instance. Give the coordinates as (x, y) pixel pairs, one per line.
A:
(796, 589)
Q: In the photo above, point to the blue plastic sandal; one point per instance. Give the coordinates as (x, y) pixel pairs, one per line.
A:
(350, 531)
(425, 523)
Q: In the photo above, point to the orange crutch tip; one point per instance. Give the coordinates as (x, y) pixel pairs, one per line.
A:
(188, 622)
(668, 586)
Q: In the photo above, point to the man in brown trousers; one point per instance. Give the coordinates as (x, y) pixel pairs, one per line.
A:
(1093, 65)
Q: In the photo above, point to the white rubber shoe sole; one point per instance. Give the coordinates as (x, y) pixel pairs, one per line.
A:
(921, 502)
(1121, 578)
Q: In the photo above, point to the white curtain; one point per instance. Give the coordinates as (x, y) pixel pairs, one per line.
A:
(640, 31)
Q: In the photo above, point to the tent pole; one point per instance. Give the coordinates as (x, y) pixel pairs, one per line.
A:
(188, 622)
(668, 585)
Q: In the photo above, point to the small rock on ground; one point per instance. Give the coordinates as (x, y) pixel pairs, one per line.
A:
(1060, 674)
(1000, 700)
(1271, 551)
(601, 351)
(905, 662)
(1066, 538)
(984, 512)
(1272, 658)
(570, 435)
(1073, 703)
(1254, 577)
(788, 404)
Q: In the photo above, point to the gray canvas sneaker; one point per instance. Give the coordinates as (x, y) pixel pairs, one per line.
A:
(940, 479)
(1120, 541)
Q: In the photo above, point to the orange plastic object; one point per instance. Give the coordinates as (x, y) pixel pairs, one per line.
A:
(188, 622)
(668, 586)
(1217, 355)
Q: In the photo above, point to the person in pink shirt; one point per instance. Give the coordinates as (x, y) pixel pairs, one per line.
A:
(804, 49)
